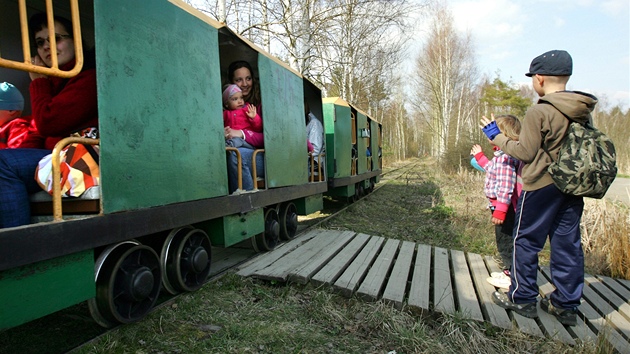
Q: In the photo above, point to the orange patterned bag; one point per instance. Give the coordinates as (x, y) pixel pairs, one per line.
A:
(79, 170)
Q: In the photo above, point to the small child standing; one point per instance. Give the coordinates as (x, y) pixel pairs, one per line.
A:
(238, 115)
(13, 128)
(502, 188)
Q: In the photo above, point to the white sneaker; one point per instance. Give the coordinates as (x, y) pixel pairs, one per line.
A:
(499, 280)
(499, 275)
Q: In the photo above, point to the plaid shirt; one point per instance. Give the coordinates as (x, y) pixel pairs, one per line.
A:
(501, 179)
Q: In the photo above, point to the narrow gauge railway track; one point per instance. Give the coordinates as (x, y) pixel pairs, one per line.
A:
(73, 328)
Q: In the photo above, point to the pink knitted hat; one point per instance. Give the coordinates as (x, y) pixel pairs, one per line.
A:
(229, 91)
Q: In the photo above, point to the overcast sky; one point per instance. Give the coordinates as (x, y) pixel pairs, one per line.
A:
(509, 34)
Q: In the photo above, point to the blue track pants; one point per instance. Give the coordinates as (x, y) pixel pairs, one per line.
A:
(541, 213)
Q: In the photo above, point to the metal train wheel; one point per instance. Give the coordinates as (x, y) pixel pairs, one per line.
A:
(185, 259)
(127, 283)
(288, 221)
(268, 240)
(361, 190)
(98, 265)
(254, 241)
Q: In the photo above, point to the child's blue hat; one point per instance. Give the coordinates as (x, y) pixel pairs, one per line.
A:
(10, 98)
(552, 63)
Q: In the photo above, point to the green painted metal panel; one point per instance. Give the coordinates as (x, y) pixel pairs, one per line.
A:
(232, 229)
(310, 204)
(337, 124)
(374, 131)
(159, 97)
(328, 114)
(38, 289)
(343, 191)
(361, 143)
(283, 122)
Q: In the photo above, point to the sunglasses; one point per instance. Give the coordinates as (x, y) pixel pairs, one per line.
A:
(39, 42)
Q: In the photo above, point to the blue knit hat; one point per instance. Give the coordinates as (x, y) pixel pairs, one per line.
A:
(10, 98)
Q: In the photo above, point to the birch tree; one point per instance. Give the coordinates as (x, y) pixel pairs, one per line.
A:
(445, 82)
(348, 46)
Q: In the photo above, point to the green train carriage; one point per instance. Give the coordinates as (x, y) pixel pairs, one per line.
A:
(354, 142)
(163, 202)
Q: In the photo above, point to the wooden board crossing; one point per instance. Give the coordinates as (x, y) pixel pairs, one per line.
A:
(429, 279)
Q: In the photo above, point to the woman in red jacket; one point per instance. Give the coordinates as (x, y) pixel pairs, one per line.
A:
(60, 107)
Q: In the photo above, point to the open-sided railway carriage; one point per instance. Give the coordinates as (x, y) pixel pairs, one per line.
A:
(163, 201)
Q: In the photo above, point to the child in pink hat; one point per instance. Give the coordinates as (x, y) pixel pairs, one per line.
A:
(238, 115)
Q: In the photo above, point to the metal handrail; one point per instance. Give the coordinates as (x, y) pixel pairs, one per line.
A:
(239, 166)
(54, 70)
(319, 166)
(254, 173)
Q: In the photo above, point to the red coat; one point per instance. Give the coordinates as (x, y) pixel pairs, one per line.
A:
(13, 133)
(61, 107)
(238, 119)
(252, 128)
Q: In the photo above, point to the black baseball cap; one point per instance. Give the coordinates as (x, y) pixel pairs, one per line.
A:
(552, 63)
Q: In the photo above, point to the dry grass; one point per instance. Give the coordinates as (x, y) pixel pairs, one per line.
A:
(605, 239)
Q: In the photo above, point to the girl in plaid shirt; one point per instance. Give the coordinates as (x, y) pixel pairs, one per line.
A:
(502, 188)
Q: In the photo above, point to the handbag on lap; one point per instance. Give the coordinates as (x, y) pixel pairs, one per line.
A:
(79, 170)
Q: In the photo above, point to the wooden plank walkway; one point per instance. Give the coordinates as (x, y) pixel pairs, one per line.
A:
(429, 279)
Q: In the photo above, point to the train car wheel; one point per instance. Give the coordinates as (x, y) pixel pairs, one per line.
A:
(98, 265)
(185, 260)
(361, 190)
(268, 240)
(254, 241)
(288, 221)
(127, 284)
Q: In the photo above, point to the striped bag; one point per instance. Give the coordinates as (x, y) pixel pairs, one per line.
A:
(79, 170)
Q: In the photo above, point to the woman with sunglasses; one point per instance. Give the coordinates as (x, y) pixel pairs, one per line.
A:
(241, 74)
(60, 107)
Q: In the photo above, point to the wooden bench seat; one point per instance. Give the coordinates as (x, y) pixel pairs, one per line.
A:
(88, 203)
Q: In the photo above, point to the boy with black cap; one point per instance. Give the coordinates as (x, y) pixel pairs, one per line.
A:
(542, 209)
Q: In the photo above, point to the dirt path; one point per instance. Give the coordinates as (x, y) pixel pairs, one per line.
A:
(620, 190)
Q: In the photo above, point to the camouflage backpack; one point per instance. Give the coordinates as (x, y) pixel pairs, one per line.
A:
(586, 164)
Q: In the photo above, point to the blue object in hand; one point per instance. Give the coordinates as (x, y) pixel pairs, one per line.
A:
(475, 164)
(491, 130)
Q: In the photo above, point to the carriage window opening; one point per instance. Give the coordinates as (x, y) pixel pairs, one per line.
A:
(27, 64)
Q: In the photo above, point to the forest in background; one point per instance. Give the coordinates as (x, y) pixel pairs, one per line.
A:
(356, 49)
